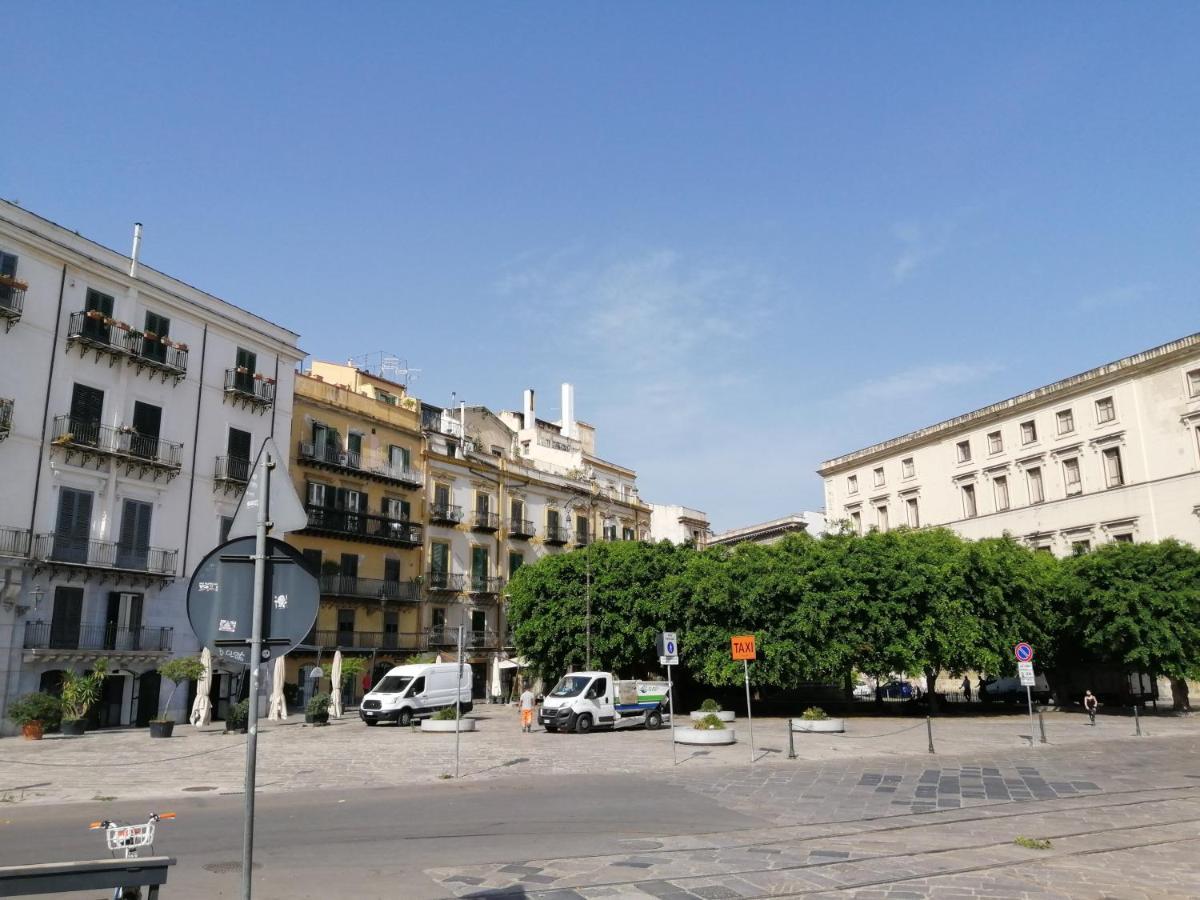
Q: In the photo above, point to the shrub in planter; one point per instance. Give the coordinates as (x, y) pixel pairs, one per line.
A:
(710, 722)
(446, 713)
(814, 714)
(177, 671)
(317, 710)
(79, 692)
(710, 706)
(238, 716)
(35, 713)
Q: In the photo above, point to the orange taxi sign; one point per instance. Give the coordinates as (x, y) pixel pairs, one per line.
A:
(743, 646)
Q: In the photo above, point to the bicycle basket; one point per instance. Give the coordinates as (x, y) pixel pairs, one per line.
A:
(121, 837)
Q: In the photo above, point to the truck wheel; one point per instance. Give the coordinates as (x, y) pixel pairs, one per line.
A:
(370, 723)
(405, 718)
(654, 720)
(583, 724)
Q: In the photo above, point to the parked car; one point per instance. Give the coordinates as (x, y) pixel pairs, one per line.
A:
(898, 690)
(1009, 690)
(864, 692)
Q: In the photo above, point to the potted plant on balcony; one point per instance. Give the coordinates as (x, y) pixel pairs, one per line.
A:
(79, 692)
(177, 671)
(317, 710)
(237, 717)
(35, 713)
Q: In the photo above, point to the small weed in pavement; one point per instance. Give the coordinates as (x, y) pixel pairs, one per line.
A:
(1032, 843)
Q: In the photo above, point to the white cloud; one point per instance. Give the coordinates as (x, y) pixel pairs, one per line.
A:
(920, 380)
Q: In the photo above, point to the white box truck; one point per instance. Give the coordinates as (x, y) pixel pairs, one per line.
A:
(582, 701)
(415, 692)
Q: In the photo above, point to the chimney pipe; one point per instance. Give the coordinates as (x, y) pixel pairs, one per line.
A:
(462, 420)
(529, 420)
(137, 248)
(568, 411)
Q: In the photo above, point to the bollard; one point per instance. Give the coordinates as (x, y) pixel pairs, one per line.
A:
(791, 741)
(1041, 725)
(1137, 721)
(929, 728)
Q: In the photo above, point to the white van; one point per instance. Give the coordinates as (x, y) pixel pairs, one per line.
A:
(582, 701)
(416, 691)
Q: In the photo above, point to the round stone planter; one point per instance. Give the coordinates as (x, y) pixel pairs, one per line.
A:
(444, 725)
(725, 715)
(705, 736)
(819, 726)
(72, 727)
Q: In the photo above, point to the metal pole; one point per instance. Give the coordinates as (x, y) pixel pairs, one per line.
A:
(929, 731)
(458, 700)
(749, 717)
(1041, 725)
(1029, 700)
(260, 577)
(791, 741)
(587, 562)
(1137, 720)
(671, 727)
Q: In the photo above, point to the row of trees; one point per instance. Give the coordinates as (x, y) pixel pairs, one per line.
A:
(899, 601)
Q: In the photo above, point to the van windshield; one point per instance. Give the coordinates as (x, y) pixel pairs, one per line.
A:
(392, 684)
(570, 686)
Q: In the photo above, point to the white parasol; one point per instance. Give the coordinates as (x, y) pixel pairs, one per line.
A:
(335, 692)
(202, 707)
(497, 689)
(278, 711)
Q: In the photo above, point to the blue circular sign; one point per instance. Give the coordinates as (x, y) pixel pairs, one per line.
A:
(1023, 652)
(670, 648)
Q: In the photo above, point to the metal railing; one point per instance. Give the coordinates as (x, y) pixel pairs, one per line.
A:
(14, 541)
(363, 525)
(485, 521)
(12, 297)
(48, 636)
(445, 512)
(352, 460)
(582, 539)
(232, 469)
(370, 588)
(120, 442)
(367, 640)
(6, 411)
(249, 386)
(330, 455)
(445, 581)
(62, 548)
(92, 330)
(521, 528)
(556, 534)
(447, 636)
(485, 584)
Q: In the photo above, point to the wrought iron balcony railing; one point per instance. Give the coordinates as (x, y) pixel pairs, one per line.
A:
(92, 330)
(249, 388)
(12, 300)
(14, 542)
(6, 411)
(445, 512)
(369, 588)
(66, 550)
(48, 636)
(367, 640)
(582, 539)
(445, 581)
(485, 521)
(446, 636)
(557, 535)
(232, 470)
(480, 584)
(131, 449)
(521, 528)
(363, 526)
(366, 465)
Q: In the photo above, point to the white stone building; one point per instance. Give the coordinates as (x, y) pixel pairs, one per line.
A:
(1112, 454)
(678, 524)
(811, 523)
(130, 404)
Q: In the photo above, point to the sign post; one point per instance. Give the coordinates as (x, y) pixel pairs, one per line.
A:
(458, 702)
(743, 648)
(1024, 654)
(668, 655)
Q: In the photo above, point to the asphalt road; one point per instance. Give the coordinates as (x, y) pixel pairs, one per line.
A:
(374, 843)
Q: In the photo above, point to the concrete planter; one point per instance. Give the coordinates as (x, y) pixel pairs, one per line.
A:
(162, 729)
(707, 737)
(444, 725)
(72, 727)
(819, 726)
(725, 715)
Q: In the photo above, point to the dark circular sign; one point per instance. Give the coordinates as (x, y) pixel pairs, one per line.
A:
(220, 600)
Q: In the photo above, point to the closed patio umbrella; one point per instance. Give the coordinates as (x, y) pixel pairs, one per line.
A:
(497, 689)
(278, 711)
(202, 707)
(335, 693)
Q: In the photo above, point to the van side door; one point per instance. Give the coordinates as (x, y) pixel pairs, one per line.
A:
(416, 695)
(600, 695)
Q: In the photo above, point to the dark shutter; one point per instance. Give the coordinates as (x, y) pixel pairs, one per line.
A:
(8, 265)
(133, 547)
(238, 445)
(349, 565)
(95, 329)
(64, 621)
(153, 347)
(87, 409)
(391, 570)
(313, 557)
(479, 563)
(147, 423)
(439, 560)
(74, 526)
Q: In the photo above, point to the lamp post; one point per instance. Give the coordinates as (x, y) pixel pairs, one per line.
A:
(587, 569)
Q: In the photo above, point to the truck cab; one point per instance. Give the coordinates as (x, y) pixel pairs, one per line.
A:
(583, 701)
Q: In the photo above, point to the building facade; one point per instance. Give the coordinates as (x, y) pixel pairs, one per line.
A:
(1112, 454)
(679, 525)
(811, 523)
(130, 406)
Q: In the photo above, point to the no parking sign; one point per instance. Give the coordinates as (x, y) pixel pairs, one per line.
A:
(1023, 652)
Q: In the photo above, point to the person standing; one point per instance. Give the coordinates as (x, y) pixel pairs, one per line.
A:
(966, 688)
(1090, 703)
(527, 703)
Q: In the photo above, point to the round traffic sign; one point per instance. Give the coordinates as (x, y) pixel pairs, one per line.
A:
(220, 600)
(1023, 652)
(670, 648)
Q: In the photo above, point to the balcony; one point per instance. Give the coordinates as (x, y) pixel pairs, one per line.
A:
(521, 528)
(231, 473)
(444, 513)
(6, 411)
(14, 542)
(485, 521)
(113, 638)
(369, 588)
(556, 536)
(61, 553)
(362, 526)
(95, 443)
(366, 640)
(447, 582)
(250, 390)
(582, 539)
(92, 331)
(445, 636)
(482, 585)
(352, 463)
(12, 300)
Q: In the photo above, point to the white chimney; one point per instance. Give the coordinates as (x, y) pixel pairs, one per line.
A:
(568, 411)
(529, 421)
(137, 248)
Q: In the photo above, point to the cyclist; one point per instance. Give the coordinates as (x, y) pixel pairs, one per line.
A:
(1089, 704)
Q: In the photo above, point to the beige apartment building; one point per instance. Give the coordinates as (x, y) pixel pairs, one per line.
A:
(1112, 454)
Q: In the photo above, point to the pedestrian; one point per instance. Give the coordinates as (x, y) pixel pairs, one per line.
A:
(1090, 704)
(366, 683)
(527, 703)
(966, 688)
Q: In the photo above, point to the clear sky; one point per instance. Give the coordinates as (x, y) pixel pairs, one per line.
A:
(754, 235)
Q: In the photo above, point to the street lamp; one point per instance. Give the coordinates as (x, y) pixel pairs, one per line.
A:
(587, 568)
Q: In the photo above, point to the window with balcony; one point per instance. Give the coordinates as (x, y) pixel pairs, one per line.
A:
(345, 627)
(878, 477)
(1066, 421)
(1028, 432)
(1106, 411)
(995, 442)
(396, 509)
(610, 531)
(1071, 479)
(439, 558)
(1033, 479)
(1000, 490)
(914, 514)
(851, 484)
(964, 451)
(627, 534)
(908, 468)
(73, 528)
(970, 510)
(133, 547)
(12, 291)
(581, 530)
(515, 561)
(480, 574)
(66, 617)
(1114, 472)
(155, 337)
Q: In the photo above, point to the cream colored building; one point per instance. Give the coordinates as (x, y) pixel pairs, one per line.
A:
(1112, 454)
(679, 525)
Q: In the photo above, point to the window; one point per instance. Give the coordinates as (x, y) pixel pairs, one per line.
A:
(968, 495)
(964, 451)
(1078, 547)
(1105, 410)
(237, 446)
(441, 497)
(87, 408)
(1000, 489)
(1028, 432)
(856, 522)
(391, 570)
(852, 484)
(881, 518)
(1071, 477)
(95, 328)
(515, 561)
(479, 622)
(908, 468)
(610, 531)
(311, 556)
(914, 515)
(1126, 538)
(1066, 421)
(147, 423)
(439, 618)
(483, 503)
(8, 266)
(345, 626)
(396, 510)
(354, 448)
(349, 565)
(66, 617)
(1114, 473)
(385, 397)
(1033, 478)
(399, 458)
(995, 442)
(552, 520)
(879, 479)
(74, 526)
(133, 542)
(581, 529)
(157, 328)
(1193, 379)
(479, 568)
(627, 534)
(439, 560)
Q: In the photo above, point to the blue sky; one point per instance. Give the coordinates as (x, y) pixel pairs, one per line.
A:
(754, 235)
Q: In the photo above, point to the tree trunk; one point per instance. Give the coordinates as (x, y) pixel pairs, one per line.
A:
(1179, 695)
(930, 694)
